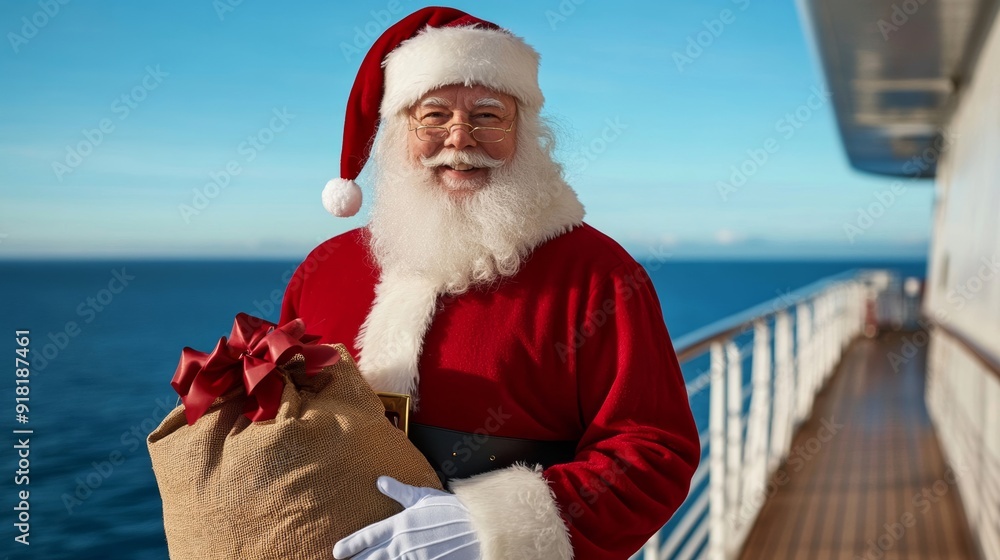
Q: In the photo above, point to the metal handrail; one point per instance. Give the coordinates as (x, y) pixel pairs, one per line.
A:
(746, 443)
(696, 342)
(963, 400)
(990, 361)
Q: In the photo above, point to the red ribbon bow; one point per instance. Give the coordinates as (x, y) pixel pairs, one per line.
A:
(250, 357)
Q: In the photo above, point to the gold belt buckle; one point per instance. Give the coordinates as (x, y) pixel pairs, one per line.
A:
(397, 410)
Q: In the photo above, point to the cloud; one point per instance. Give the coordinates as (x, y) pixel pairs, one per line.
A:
(727, 237)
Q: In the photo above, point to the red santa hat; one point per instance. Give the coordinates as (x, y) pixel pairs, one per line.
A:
(427, 49)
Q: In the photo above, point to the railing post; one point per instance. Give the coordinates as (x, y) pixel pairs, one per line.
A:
(651, 550)
(817, 367)
(756, 450)
(828, 340)
(843, 316)
(804, 365)
(858, 297)
(717, 456)
(734, 439)
(807, 344)
(846, 322)
(825, 341)
(784, 390)
(734, 436)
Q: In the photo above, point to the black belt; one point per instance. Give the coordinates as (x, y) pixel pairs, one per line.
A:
(456, 454)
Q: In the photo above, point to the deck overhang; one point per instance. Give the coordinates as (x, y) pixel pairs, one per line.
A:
(896, 69)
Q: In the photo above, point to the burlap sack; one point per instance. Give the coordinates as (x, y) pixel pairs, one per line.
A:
(287, 488)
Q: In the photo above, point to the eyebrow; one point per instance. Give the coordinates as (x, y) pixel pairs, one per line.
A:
(491, 102)
(481, 102)
(436, 102)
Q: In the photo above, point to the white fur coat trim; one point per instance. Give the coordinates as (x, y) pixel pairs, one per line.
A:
(392, 336)
(393, 333)
(515, 515)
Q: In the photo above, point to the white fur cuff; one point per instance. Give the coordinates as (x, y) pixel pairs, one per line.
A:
(515, 514)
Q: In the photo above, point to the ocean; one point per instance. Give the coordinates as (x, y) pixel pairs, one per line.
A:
(105, 337)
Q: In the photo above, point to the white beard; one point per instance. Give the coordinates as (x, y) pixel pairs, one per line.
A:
(419, 228)
(429, 241)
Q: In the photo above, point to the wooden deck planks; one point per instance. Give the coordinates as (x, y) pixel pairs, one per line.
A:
(878, 489)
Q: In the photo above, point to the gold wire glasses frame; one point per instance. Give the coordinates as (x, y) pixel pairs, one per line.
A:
(483, 134)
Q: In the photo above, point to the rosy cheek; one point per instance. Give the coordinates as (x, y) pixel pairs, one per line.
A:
(427, 150)
(503, 151)
(418, 150)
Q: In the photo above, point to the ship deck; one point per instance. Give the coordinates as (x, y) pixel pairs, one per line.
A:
(866, 478)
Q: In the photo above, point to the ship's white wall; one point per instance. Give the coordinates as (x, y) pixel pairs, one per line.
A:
(963, 292)
(963, 284)
(963, 399)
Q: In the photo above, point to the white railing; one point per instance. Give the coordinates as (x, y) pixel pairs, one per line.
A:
(963, 399)
(795, 344)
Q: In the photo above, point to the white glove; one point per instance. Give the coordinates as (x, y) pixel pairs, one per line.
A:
(434, 525)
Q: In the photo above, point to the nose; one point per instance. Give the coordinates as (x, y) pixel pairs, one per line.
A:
(460, 137)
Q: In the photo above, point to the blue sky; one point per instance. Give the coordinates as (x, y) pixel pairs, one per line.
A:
(651, 125)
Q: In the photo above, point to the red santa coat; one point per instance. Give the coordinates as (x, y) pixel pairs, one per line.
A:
(572, 347)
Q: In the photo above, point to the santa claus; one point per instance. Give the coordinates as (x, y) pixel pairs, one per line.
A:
(548, 395)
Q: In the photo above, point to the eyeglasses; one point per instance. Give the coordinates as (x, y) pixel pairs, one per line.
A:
(483, 134)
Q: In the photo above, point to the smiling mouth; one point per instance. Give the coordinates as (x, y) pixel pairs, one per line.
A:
(462, 168)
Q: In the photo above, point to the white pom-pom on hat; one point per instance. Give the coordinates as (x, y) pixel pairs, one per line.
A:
(429, 48)
(342, 197)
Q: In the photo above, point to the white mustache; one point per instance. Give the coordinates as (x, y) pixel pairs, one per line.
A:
(453, 158)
